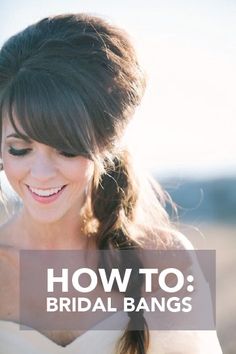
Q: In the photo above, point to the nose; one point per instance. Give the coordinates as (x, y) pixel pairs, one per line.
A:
(42, 168)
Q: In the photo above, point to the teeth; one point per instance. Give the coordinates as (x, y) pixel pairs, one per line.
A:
(45, 192)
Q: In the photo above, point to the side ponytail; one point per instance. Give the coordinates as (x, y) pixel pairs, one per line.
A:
(78, 76)
(113, 204)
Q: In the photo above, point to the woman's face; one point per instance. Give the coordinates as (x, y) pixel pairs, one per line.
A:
(50, 183)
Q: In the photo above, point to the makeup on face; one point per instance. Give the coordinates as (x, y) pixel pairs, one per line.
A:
(44, 177)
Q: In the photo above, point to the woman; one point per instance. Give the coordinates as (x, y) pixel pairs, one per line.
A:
(68, 87)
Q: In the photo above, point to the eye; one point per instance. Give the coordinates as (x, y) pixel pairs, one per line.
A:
(18, 152)
(67, 154)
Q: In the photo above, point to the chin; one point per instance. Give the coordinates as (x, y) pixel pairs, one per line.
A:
(45, 217)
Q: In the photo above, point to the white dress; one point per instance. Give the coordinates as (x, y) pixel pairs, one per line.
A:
(13, 340)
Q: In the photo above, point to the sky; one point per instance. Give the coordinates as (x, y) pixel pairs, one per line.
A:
(186, 123)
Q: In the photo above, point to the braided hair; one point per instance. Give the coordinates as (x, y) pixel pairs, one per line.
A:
(73, 81)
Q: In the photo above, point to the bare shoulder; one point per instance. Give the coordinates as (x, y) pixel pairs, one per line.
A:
(180, 241)
(8, 230)
(9, 255)
(9, 276)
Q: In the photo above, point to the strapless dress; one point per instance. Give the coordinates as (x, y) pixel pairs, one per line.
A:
(14, 340)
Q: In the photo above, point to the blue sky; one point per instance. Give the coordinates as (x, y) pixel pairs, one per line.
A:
(186, 122)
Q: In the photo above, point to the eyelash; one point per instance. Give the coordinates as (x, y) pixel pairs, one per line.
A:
(66, 154)
(23, 152)
(16, 152)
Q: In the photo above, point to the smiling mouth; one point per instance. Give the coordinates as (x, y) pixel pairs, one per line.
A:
(45, 193)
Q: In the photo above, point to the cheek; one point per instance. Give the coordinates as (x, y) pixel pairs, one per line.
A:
(15, 170)
(82, 172)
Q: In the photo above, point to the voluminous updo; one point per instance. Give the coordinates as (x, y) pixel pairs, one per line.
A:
(73, 82)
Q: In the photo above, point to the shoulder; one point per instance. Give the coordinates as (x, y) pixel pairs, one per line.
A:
(180, 241)
(9, 280)
(185, 342)
(9, 255)
(8, 231)
(9, 265)
(9, 275)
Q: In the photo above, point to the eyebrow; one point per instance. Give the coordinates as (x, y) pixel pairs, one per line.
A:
(22, 137)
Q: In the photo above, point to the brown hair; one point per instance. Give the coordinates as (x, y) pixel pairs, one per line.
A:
(73, 82)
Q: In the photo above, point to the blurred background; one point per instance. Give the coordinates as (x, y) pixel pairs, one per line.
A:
(184, 130)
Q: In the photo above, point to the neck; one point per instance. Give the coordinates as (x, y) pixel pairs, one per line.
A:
(63, 234)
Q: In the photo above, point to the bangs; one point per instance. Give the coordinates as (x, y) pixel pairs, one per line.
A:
(50, 112)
